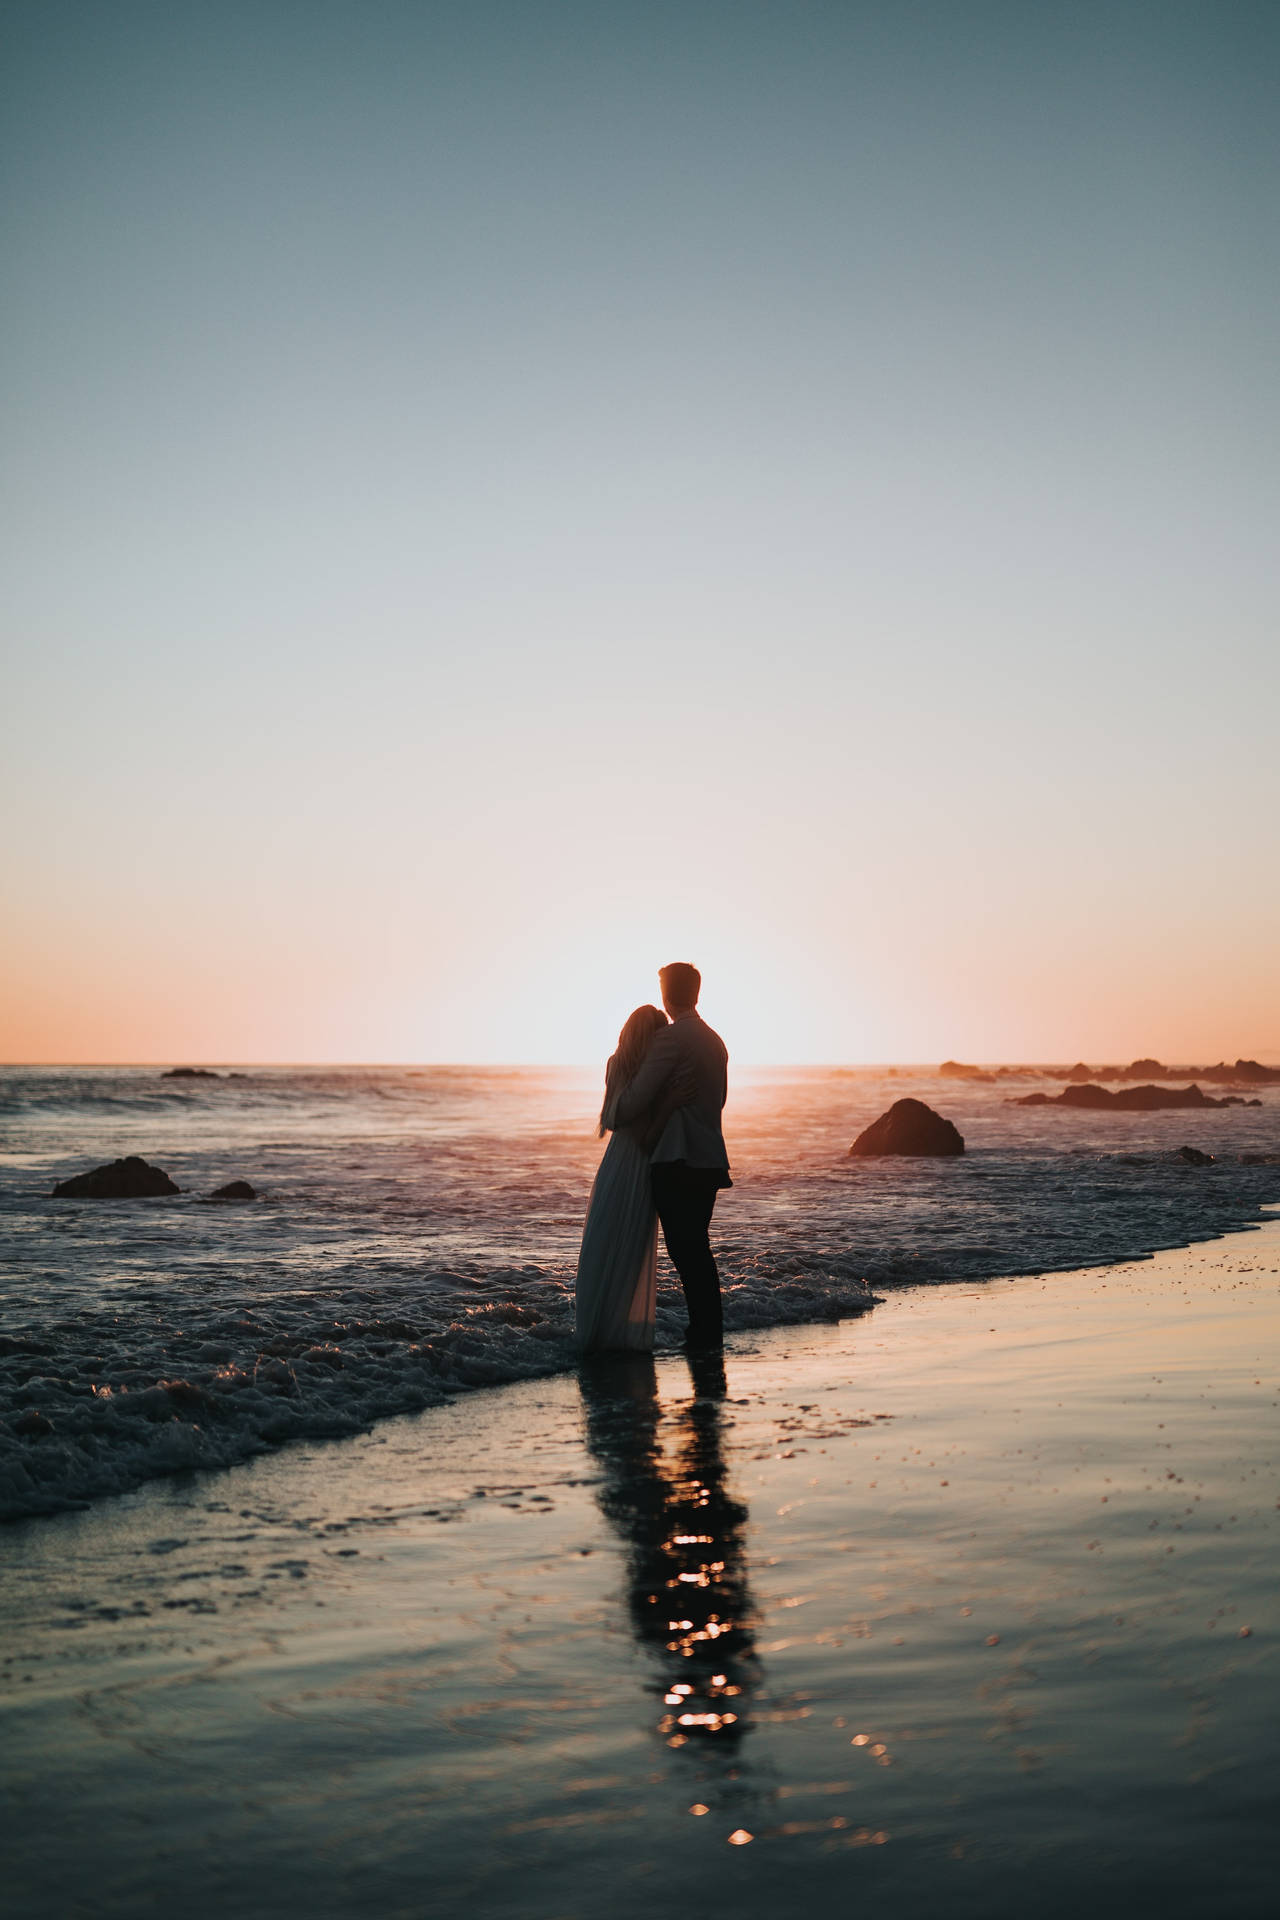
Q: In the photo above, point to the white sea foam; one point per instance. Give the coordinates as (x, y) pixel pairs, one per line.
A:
(417, 1231)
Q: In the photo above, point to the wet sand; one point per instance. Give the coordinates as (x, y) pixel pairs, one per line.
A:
(969, 1605)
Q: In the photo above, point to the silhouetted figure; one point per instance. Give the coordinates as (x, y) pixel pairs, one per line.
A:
(686, 1575)
(616, 1291)
(689, 1164)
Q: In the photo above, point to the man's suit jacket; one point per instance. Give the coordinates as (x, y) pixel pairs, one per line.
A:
(693, 1133)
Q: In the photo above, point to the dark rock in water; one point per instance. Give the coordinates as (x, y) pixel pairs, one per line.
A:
(1243, 1073)
(32, 1424)
(1146, 1099)
(1260, 1159)
(1194, 1157)
(1128, 1100)
(1079, 1073)
(957, 1070)
(1249, 1073)
(235, 1190)
(908, 1127)
(1253, 1070)
(129, 1179)
(190, 1073)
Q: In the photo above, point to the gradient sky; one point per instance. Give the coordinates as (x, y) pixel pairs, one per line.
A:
(497, 497)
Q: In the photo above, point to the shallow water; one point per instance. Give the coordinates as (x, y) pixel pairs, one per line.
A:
(968, 1605)
(417, 1232)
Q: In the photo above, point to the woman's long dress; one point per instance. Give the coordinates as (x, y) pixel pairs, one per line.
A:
(618, 1265)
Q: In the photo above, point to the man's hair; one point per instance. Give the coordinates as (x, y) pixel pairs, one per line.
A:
(681, 983)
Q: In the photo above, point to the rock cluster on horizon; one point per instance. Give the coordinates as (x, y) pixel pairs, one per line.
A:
(1129, 1099)
(909, 1127)
(1244, 1073)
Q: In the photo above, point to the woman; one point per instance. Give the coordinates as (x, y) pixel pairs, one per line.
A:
(618, 1265)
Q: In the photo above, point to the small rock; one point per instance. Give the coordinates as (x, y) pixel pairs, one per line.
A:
(128, 1179)
(190, 1073)
(32, 1422)
(1194, 1157)
(909, 1127)
(234, 1190)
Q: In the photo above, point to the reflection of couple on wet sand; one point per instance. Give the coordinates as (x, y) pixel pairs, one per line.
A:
(684, 1534)
(664, 1164)
(666, 1161)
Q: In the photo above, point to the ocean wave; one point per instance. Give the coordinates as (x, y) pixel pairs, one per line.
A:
(203, 1376)
(101, 1410)
(387, 1265)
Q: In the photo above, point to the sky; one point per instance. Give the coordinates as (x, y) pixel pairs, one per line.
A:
(497, 497)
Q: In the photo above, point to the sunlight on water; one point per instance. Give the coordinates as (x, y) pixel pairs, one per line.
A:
(417, 1231)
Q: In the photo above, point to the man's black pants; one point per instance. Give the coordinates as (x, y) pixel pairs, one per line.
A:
(685, 1198)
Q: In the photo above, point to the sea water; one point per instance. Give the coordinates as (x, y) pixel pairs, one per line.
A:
(963, 1607)
(416, 1229)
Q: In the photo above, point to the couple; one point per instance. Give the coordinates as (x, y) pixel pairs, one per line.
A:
(664, 1092)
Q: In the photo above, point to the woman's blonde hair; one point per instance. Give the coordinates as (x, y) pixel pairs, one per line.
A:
(638, 1030)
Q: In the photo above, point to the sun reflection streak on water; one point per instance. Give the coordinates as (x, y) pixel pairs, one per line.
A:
(662, 1467)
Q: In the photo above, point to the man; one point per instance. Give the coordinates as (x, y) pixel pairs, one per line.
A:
(688, 1165)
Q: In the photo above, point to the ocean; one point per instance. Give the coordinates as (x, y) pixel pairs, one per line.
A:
(416, 1229)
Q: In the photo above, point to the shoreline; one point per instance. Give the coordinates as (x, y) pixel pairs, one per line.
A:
(190, 1404)
(977, 1592)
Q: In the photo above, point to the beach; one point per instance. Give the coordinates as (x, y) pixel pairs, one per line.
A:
(967, 1604)
(415, 1236)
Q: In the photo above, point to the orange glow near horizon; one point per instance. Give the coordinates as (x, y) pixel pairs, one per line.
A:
(520, 999)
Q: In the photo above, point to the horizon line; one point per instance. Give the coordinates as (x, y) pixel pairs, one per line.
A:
(1263, 1056)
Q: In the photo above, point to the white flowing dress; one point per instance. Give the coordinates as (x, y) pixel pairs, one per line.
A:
(618, 1266)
